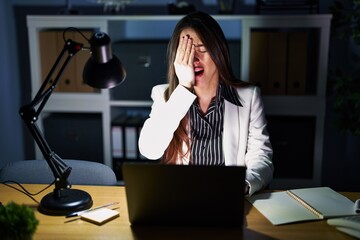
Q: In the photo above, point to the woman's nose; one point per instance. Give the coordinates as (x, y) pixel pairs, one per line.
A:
(196, 57)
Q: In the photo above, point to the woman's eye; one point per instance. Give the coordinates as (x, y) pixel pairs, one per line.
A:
(201, 49)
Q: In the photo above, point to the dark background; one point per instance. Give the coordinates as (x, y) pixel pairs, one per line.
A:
(341, 154)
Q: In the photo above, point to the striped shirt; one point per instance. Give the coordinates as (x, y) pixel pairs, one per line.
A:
(207, 129)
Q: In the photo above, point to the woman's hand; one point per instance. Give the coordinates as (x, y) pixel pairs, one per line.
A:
(184, 62)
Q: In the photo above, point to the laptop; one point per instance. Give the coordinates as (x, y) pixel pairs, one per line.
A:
(184, 195)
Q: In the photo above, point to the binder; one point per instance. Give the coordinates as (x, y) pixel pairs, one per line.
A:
(131, 149)
(125, 132)
(277, 60)
(297, 63)
(47, 54)
(118, 136)
(132, 133)
(259, 60)
(52, 43)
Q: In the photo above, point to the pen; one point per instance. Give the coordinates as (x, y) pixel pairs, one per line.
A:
(74, 214)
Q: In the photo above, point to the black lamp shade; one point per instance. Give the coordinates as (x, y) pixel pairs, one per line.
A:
(103, 69)
(104, 75)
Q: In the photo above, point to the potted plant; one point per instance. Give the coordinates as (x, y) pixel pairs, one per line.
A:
(17, 222)
(346, 78)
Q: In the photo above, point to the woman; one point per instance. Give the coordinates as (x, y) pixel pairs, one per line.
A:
(204, 115)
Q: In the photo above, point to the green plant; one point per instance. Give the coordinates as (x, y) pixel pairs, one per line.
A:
(346, 82)
(346, 19)
(347, 103)
(17, 222)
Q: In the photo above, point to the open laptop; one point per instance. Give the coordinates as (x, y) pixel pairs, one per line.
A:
(181, 195)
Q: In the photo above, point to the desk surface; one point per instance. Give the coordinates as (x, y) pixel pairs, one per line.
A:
(256, 226)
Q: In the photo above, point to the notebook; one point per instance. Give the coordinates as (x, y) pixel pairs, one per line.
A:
(184, 195)
(304, 204)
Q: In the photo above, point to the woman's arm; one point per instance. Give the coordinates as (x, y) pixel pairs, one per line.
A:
(164, 119)
(258, 157)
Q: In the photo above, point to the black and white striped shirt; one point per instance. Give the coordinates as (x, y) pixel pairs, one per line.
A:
(207, 129)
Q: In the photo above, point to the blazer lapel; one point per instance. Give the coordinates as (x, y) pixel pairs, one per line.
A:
(231, 134)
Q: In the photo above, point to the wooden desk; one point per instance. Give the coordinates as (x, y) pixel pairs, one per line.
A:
(257, 227)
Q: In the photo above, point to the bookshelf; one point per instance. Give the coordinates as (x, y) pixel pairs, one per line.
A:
(133, 38)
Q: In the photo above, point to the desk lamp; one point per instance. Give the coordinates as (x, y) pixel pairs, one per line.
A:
(102, 70)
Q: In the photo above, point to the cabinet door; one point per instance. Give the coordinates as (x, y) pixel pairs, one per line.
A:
(51, 45)
(80, 60)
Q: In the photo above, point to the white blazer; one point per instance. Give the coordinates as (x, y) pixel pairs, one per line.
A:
(245, 138)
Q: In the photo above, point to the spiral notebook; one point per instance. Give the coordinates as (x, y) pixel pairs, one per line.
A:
(305, 204)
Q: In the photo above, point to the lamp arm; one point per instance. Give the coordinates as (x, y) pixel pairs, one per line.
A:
(30, 114)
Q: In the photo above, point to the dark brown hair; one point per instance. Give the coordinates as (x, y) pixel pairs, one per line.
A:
(213, 38)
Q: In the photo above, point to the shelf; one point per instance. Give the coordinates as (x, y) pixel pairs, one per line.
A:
(133, 38)
(293, 105)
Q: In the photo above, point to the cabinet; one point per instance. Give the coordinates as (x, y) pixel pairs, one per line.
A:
(52, 43)
(140, 42)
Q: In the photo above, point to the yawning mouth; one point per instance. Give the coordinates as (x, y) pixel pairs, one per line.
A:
(199, 71)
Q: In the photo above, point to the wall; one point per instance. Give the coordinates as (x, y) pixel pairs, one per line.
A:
(11, 142)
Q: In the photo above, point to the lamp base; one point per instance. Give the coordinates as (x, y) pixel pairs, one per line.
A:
(69, 201)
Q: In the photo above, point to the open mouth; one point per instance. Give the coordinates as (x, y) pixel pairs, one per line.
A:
(199, 71)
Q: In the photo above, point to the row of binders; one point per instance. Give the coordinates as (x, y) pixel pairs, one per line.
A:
(279, 62)
(125, 132)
